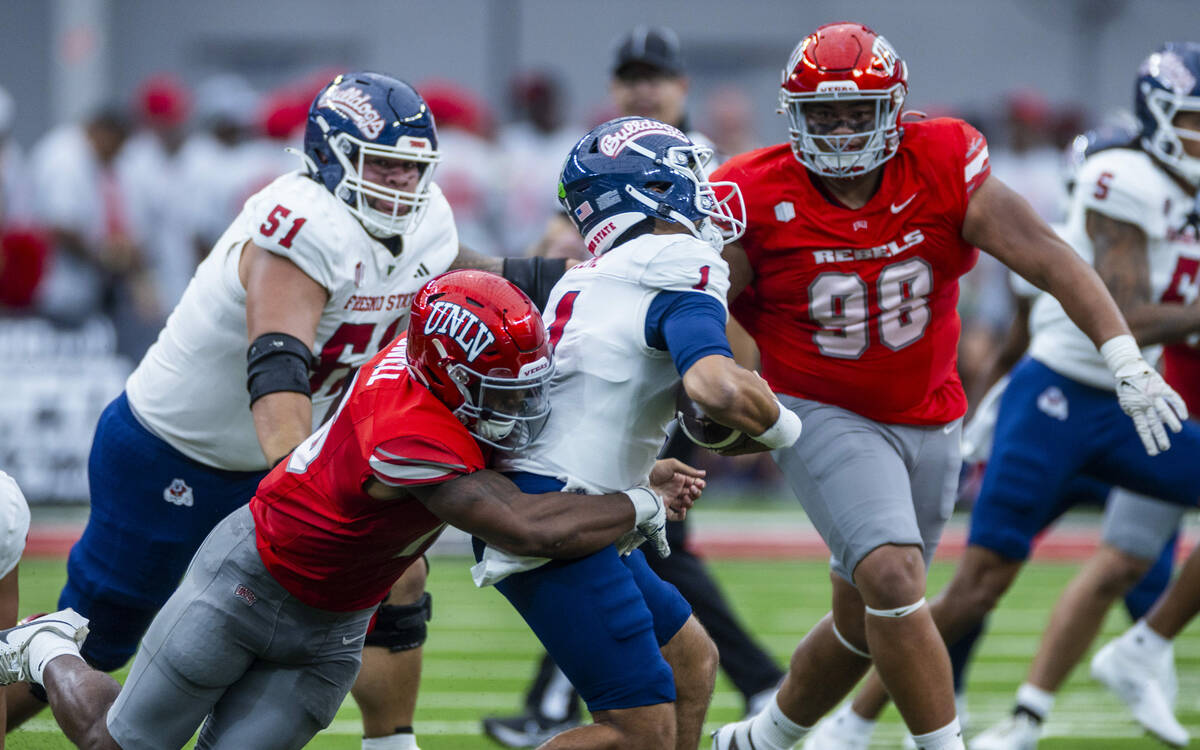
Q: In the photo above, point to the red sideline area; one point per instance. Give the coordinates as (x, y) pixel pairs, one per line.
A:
(763, 544)
(55, 540)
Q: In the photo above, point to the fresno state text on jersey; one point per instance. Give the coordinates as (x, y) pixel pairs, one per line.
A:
(857, 308)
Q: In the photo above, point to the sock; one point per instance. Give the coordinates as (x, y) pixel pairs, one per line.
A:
(402, 739)
(45, 646)
(772, 730)
(1141, 637)
(847, 719)
(948, 737)
(1034, 701)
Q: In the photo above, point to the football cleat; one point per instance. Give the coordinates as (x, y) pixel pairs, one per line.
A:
(1140, 687)
(526, 730)
(834, 732)
(1017, 732)
(734, 736)
(14, 641)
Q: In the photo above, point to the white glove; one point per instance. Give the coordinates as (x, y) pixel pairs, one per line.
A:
(1143, 394)
(650, 522)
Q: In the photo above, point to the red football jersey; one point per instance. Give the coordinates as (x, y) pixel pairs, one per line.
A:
(326, 541)
(857, 308)
(1181, 370)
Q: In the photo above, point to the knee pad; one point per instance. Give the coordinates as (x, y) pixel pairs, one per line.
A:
(898, 611)
(401, 627)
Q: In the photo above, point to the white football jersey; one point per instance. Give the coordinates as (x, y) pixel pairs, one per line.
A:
(1126, 185)
(190, 388)
(612, 394)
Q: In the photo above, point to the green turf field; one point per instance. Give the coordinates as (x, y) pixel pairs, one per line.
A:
(480, 656)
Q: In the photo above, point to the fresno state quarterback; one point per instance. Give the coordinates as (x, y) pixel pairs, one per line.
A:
(847, 278)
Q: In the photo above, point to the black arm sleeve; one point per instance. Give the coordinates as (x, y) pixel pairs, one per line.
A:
(277, 362)
(535, 276)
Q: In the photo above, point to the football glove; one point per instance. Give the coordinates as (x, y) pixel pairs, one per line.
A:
(1143, 394)
(651, 523)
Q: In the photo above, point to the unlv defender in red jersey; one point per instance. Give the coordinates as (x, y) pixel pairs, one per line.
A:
(848, 279)
(264, 635)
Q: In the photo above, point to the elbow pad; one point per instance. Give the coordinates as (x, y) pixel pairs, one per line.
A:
(535, 276)
(277, 362)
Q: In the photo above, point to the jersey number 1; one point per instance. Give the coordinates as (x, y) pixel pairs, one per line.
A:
(838, 302)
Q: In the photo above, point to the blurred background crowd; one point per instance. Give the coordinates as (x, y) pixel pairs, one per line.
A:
(119, 173)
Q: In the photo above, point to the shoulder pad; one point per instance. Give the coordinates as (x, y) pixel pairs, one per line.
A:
(682, 263)
(1124, 184)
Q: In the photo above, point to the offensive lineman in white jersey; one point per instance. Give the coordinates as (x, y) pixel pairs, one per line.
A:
(317, 274)
(625, 327)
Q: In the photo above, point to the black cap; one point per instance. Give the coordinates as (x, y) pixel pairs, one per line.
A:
(653, 46)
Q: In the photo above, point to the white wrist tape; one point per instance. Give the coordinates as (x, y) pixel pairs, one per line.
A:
(646, 502)
(898, 611)
(1120, 351)
(784, 432)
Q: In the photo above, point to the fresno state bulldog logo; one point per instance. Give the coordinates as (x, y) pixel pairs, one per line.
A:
(355, 105)
(461, 325)
(178, 493)
(612, 144)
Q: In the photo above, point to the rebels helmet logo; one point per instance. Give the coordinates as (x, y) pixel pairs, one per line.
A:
(461, 325)
(612, 144)
(351, 102)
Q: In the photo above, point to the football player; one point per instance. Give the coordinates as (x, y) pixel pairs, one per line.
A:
(316, 274)
(858, 230)
(1135, 527)
(648, 79)
(262, 640)
(626, 326)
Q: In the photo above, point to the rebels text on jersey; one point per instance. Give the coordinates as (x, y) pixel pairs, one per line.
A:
(857, 308)
(321, 536)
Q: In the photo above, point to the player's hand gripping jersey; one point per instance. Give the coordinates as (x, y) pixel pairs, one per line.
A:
(613, 392)
(1123, 184)
(328, 542)
(190, 389)
(857, 308)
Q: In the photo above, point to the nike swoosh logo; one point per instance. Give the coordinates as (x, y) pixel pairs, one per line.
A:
(898, 207)
(950, 427)
(347, 641)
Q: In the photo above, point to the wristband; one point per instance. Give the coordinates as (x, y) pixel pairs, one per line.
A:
(784, 432)
(646, 502)
(1120, 351)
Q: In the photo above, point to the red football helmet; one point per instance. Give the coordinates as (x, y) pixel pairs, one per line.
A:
(480, 345)
(836, 63)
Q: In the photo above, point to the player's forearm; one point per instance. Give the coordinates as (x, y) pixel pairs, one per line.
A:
(282, 420)
(1163, 324)
(468, 258)
(731, 395)
(563, 525)
(1086, 300)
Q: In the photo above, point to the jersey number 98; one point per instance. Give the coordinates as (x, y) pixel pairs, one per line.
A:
(840, 304)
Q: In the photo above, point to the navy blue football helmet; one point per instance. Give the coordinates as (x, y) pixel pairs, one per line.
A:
(633, 168)
(359, 116)
(1168, 83)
